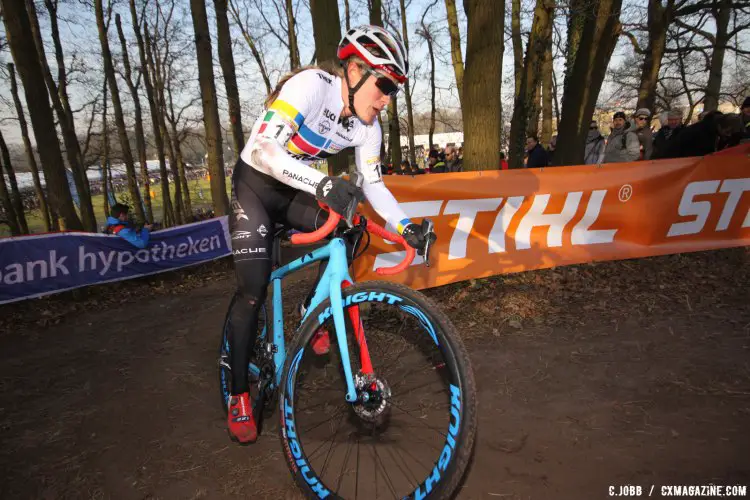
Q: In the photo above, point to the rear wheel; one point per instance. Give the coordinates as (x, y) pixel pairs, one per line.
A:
(411, 431)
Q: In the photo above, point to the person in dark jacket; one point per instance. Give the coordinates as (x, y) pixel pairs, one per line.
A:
(745, 113)
(453, 163)
(713, 133)
(436, 162)
(537, 154)
(668, 132)
(118, 223)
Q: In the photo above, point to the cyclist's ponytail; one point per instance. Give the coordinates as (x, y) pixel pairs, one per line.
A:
(330, 67)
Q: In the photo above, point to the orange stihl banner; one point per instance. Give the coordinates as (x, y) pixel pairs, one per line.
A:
(497, 222)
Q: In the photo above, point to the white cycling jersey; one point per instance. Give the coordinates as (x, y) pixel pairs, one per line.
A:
(303, 125)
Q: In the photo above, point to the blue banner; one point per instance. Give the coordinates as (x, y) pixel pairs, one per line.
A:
(33, 266)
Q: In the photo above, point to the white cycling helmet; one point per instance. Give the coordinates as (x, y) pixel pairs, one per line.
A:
(377, 48)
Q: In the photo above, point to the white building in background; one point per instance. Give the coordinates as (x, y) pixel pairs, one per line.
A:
(440, 139)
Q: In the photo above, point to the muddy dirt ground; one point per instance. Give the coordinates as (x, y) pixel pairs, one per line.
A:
(625, 373)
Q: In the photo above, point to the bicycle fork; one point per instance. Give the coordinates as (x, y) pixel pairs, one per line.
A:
(340, 280)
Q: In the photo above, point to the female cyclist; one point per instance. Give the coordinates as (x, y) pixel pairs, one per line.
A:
(312, 114)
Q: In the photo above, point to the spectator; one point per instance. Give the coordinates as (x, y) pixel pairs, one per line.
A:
(503, 161)
(551, 150)
(453, 162)
(622, 144)
(746, 117)
(436, 162)
(404, 168)
(667, 133)
(537, 154)
(594, 152)
(643, 131)
(714, 132)
(118, 223)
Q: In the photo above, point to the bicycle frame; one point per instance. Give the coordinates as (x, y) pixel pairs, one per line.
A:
(334, 278)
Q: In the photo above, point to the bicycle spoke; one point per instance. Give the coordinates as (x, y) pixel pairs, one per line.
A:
(404, 467)
(419, 420)
(379, 462)
(308, 429)
(343, 467)
(333, 441)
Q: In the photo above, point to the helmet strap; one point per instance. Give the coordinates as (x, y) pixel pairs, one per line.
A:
(353, 90)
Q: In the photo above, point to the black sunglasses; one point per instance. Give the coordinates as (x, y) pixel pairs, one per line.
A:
(384, 84)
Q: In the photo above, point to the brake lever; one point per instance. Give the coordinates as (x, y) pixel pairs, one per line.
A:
(427, 229)
(358, 180)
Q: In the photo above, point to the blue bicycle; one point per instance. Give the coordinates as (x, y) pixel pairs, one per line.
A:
(389, 411)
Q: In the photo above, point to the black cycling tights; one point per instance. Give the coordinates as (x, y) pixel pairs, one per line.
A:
(258, 203)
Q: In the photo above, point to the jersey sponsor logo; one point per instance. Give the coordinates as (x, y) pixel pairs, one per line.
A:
(327, 187)
(241, 235)
(328, 114)
(300, 178)
(247, 251)
(239, 214)
(324, 128)
(348, 139)
(325, 78)
(335, 148)
(262, 231)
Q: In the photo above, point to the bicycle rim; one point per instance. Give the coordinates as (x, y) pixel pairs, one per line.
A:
(413, 435)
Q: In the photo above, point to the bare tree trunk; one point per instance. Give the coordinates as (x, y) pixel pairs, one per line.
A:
(210, 111)
(407, 90)
(58, 94)
(151, 79)
(105, 154)
(482, 80)
(394, 127)
(539, 39)
(14, 192)
(547, 71)
(579, 13)
(457, 58)
(376, 12)
(721, 11)
(127, 154)
(10, 213)
(432, 84)
(226, 59)
(532, 128)
(31, 160)
(293, 48)
(394, 132)
(659, 18)
(162, 86)
(515, 27)
(186, 203)
(327, 33)
(346, 14)
(253, 47)
(21, 41)
(140, 140)
(597, 42)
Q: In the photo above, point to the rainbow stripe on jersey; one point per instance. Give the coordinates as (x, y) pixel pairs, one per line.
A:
(305, 141)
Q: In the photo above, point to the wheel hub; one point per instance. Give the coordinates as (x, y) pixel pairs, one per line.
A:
(373, 395)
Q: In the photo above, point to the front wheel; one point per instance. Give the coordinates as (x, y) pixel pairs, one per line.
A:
(411, 432)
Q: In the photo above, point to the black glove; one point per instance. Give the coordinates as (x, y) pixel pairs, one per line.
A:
(418, 237)
(338, 194)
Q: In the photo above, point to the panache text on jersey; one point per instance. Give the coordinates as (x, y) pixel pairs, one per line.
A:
(300, 178)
